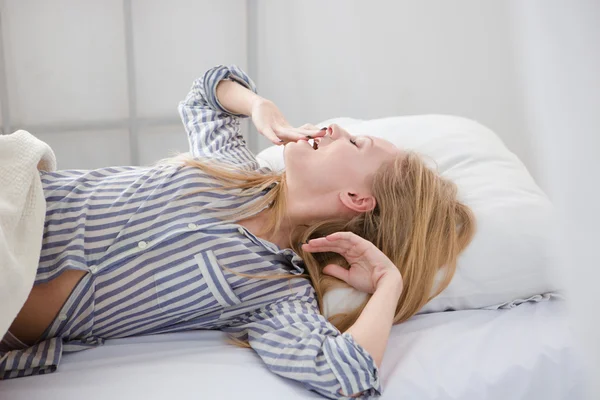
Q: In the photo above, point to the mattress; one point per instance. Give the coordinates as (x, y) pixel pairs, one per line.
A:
(522, 353)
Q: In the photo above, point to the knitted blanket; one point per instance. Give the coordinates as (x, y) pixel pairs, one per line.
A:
(22, 213)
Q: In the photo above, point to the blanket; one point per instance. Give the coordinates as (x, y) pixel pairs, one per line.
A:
(22, 213)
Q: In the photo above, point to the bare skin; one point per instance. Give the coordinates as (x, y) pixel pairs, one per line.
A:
(43, 305)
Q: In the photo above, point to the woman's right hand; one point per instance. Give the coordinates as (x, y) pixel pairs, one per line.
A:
(271, 123)
(369, 269)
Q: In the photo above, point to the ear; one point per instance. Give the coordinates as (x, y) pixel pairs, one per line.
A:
(358, 202)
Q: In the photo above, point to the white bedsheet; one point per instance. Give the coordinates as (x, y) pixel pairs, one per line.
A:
(522, 353)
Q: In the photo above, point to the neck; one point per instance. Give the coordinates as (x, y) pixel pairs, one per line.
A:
(257, 222)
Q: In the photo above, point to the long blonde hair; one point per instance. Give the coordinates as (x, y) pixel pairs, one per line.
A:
(418, 223)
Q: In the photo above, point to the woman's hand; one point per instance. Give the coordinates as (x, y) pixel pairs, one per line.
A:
(369, 270)
(270, 122)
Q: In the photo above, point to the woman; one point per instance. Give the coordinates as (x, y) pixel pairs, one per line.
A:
(212, 241)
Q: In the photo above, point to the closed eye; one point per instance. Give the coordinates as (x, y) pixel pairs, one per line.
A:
(353, 141)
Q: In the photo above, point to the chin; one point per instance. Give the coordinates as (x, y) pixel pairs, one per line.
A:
(296, 153)
(299, 162)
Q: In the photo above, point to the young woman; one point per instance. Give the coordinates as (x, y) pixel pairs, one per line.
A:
(209, 240)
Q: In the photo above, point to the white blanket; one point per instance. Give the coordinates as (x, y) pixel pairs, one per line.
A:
(22, 212)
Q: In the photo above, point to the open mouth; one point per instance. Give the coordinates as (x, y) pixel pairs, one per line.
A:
(314, 143)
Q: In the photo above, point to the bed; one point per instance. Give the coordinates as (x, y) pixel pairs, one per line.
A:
(522, 353)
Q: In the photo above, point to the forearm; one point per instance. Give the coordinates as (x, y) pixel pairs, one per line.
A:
(316, 356)
(236, 98)
(372, 328)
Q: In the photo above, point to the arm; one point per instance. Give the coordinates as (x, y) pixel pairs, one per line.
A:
(372, 328)
(236, 98)
(212, 130)
(295, 341)
(370, 271)
(211, 115)
(42, 358)
(267, 118)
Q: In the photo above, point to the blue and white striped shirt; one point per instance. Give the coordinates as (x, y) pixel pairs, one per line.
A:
(155, 263)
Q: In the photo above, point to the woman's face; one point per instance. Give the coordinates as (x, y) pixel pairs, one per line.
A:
(339, 163)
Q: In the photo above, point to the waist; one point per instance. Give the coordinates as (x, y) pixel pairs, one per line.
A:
(43, 305)
(10, 342)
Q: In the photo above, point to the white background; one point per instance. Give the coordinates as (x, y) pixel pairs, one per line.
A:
(530, 70)
(560, 54)
(67, 77)
(66, 62)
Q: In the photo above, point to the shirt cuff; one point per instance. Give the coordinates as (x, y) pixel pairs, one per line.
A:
(353, 367)
(216, 75)
(42, 358)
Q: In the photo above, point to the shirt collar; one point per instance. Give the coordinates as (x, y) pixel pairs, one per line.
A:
(288, 253)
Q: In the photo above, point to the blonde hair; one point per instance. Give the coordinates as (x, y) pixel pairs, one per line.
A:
(418, 223)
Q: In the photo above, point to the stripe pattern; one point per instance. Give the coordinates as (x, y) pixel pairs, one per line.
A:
(154, 252)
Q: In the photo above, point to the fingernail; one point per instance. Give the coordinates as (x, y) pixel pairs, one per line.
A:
(281, 141)
(324, 128)
(308, 136)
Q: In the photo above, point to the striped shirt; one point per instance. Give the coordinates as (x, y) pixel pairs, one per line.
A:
(157, 262)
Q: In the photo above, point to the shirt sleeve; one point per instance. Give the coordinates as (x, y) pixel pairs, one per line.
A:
(42, 358)
(212, 130)
(297, 342)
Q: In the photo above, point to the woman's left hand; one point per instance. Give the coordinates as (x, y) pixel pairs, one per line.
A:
(271, 123)
(369, 267)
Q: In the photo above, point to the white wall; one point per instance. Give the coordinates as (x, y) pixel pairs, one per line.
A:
(68, 81)
(67, 66)
(560, 60)
(368, 59)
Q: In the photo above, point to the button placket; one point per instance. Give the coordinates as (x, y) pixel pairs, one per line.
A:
(256, 240)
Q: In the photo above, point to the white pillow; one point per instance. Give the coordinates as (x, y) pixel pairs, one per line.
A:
(510, 258)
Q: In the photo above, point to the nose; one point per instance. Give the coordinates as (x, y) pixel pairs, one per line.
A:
(334, 132)
(337, 132)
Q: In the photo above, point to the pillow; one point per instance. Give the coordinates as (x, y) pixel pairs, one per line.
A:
(509, 260)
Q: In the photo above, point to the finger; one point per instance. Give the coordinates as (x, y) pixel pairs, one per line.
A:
(344, 243)
(309, 126)
(319, 132)
(269, 134)
(350, 237)
(306, 130)
(337, 272)
(327, 242)
(311, 133)
(347, 239)
(325, 247)
(289, 136)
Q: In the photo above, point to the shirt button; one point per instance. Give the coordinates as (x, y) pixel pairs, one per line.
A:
(142, 245)
(94, 269)
(192, 226)
(241, 230)
(62, 317)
